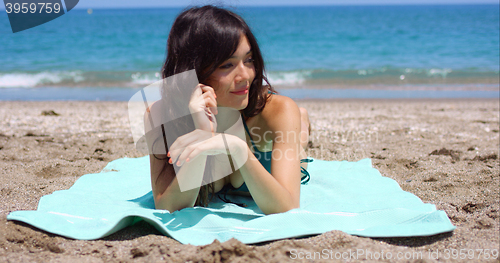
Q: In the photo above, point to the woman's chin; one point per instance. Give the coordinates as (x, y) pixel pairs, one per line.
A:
(237, 106)
(244, 104)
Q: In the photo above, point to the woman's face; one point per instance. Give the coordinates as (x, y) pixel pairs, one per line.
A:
(231, 80)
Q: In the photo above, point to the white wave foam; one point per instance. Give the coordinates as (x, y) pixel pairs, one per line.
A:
(288, 78)
(29, 80)
(145, 78)
(364, 72)
(439, 72)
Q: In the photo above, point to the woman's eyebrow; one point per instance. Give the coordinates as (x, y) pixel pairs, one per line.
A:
(249, 51)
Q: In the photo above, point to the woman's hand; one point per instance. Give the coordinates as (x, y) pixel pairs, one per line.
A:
(203, 106)
(197, 142)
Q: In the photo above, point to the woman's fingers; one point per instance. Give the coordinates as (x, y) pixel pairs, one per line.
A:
(181, 142)
(205, 88)
(199, 97)
(189, 152)
(210, 102)
(209, 145)
(185, 141)
(203, 144)
(210, 98)
(203, 107)
(212, 146)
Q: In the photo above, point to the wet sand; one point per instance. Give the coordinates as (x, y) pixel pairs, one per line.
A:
(443, 151)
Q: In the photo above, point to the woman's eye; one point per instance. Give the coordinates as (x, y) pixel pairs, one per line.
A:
(226, 66)
(230, 65)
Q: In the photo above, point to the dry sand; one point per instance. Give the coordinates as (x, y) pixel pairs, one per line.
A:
(443, 151)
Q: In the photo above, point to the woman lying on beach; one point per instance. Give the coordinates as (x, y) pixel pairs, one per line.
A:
(220, 47)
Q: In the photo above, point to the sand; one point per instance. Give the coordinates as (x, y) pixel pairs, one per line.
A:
(443, 151)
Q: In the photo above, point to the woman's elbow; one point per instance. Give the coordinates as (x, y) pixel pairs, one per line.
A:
(282, 209)
(161, 202)
(286, 209)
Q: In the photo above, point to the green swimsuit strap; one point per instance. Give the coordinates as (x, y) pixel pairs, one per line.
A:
(306, 177)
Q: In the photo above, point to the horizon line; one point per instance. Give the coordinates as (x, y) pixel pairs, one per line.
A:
(288, 5)
(299, 5)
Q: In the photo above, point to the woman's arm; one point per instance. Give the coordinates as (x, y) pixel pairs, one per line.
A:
(273, 193)
(176, 190)
(166, 189)
(164, 181)
(279, 191)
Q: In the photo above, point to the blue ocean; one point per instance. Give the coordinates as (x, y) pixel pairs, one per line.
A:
(109, 54)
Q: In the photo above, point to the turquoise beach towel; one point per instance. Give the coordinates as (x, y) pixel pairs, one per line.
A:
(349, 196)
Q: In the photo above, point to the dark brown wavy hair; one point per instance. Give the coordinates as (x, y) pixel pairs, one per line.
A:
(202, 38)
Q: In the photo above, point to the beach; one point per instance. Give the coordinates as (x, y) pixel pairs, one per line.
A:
(445, 151)
(415, 88)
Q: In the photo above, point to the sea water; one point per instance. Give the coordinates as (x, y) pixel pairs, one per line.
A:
(438, 50)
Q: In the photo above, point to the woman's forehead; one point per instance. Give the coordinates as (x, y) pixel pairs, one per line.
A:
(243, 49)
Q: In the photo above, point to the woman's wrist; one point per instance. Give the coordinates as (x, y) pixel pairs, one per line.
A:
(236, 148)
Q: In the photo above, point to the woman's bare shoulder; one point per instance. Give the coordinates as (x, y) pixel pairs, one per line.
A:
(278, 104)
(278, 109)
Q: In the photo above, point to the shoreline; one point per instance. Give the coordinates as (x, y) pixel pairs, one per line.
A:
(490, 86)
(124, 94)
(445, 151)
(396, 100)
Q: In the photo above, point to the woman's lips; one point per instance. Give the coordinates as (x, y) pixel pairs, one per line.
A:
(240, 92)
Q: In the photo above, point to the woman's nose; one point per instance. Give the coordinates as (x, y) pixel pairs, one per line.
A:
(243, 73)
